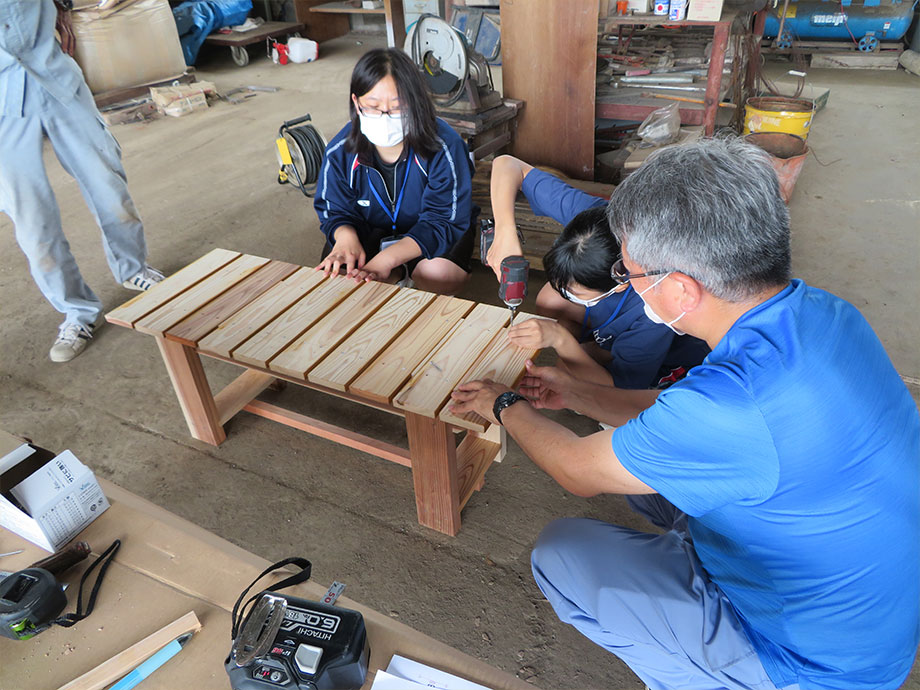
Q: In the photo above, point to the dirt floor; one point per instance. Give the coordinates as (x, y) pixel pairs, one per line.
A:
(209, 180)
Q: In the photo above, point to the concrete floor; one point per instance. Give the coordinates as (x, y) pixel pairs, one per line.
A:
(208, 180)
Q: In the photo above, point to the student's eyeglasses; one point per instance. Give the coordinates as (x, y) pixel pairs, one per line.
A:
(621, 275)
(375, 114)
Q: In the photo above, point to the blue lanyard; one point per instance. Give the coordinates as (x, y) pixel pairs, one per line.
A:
(584, 323)
(392, 216)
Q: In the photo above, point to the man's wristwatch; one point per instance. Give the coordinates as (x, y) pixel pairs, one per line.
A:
(506, 399)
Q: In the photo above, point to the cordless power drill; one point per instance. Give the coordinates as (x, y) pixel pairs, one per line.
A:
(512, 288)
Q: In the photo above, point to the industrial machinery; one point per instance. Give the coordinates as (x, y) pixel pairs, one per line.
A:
(458, 77)
(865, 22)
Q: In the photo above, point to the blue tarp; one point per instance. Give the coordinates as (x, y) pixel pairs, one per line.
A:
(196, 19)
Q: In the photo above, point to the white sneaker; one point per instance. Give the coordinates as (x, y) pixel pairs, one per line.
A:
(144, 280)
(72, 340)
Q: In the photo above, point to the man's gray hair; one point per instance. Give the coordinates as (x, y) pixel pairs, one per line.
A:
(711, 209)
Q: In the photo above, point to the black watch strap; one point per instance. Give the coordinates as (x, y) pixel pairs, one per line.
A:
(506, 399)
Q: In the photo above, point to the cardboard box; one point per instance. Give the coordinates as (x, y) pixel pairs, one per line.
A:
(705, 10)
(50, 502)
(127, 44)
(166, 567)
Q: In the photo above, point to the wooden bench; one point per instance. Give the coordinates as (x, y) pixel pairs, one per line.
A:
(395, 349)
(539, 232)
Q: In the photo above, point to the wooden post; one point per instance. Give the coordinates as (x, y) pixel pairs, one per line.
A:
(192, 389)
(434, 473)
(714, 76)
(396, 23)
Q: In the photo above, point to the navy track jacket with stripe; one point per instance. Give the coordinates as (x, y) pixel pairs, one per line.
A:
(436, 207)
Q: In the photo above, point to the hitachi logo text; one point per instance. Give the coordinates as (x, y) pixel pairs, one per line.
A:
(321, 622)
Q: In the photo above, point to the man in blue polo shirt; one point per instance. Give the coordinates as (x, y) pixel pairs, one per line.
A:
(785, 469)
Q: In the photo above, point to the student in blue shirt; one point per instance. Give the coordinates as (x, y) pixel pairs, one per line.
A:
(784, 470)
(589, 306)
(395, 186)
(43, 95)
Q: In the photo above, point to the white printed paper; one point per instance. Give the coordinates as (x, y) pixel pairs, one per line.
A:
(429, 677)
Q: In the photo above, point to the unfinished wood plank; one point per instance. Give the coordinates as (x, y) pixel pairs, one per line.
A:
(550, 39)
(434, 473)
(291, 324)
(358, 350)
(240, 392)
(248, 320)
(387, 373)
(475, 456)
(125, 661)
(330, 432)
(194, 298)
(144, 303)
(193, 391)
(197, 325)
(503, 363)
(427, 391)
(305, 352)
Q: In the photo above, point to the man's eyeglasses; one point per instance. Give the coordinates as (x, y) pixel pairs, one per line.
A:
(621, 275)
(375, 114)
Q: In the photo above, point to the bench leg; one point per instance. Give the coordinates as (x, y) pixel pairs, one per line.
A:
(434, 473)
(192, 389)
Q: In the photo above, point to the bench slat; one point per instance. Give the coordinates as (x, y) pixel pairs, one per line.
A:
(430, 387)
(248, 320)
(290, 325)
(503, 363)
(305, 352)
(386, 374)
(342, 366)
(135, 309)
(197, 325)
(199, 295)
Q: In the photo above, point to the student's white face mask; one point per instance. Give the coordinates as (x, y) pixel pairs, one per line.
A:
(588, 302)
(652, 316)
(385, 130)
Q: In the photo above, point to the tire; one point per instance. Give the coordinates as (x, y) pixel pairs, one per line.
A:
(240, 55)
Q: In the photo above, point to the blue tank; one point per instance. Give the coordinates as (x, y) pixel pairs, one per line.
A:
(867, 22)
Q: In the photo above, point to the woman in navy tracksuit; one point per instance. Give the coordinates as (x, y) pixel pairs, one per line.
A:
(395, 186)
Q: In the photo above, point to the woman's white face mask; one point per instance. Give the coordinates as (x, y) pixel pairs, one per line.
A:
(382, 131)
(652, 316)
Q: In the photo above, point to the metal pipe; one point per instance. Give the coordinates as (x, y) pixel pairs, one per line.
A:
(659, 79)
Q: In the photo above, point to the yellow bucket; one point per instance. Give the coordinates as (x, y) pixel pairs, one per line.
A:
(778, 114)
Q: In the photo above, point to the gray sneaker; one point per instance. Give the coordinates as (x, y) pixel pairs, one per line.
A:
(72, 340)
(144, 280)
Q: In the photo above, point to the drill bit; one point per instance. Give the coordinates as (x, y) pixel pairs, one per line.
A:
(513, 313)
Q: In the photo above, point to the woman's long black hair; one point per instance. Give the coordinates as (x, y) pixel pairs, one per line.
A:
(414, 102)
(583, 253)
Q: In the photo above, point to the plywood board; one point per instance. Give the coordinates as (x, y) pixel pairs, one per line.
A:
(133, 310)
(558, 41)
(360, 348)
(431, 385)
(503, 363)
(240, 327)
(388, 372)
(305, 352)
(197, 325)
(292, 323)
(196, 297)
